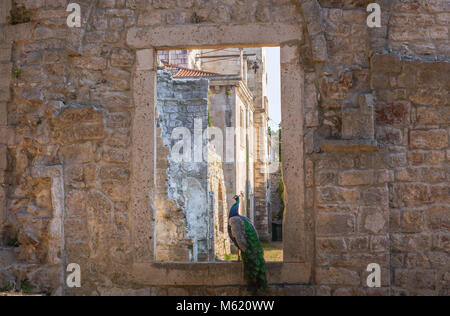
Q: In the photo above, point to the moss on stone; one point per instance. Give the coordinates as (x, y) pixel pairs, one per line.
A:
(19, 15)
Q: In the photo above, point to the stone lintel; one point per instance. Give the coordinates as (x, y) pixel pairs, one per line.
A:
(206, 36)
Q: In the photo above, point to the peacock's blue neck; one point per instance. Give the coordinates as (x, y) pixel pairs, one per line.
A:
(234, 210)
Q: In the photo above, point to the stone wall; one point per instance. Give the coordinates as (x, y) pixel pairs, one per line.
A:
(368, 199)
(6, 67)
(220, 207)
(262, 176)
(412, 117)
(378, 207)
(184, 219)
(175, 57)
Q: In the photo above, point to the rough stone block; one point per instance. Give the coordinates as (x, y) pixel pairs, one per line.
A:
(438, 217)
(373, 220)
(433, 116)
(334, 145)
(90, 63)
(387, 63)
(397, 113)
(337, 276)
(122, 58)
(150, 18)
(434, 6)
(415, 279)
(356, 178)
(116, 156)
(438, 32)
(335, 224)
(114, 174)
(82, 133)
(389, 135)
(78, 153)
(401, 34)
(409, 194)
(432, 139)
(408, 221)
(440, 193)
(82, 114)
(443, 18)
(374, 196)
(331, 244)
(350, 122)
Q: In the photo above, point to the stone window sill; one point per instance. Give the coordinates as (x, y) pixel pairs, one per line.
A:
(215, 274)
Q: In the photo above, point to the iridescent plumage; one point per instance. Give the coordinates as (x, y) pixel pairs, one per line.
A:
(244, 236)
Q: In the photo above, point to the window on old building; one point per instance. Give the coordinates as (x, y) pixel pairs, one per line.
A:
(213, 139)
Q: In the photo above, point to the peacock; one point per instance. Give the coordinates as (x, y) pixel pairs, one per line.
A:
(243, 234)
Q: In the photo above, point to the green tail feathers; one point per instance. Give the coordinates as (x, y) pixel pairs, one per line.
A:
(254, 263)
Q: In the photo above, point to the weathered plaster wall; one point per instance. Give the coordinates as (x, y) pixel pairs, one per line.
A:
(6, 66)
(262, 175)
(220, 207)
(384, 203)
(184, 227)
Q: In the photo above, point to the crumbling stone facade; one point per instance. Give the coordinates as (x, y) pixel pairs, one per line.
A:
(239, 72)
(184, 219)
(76, 143)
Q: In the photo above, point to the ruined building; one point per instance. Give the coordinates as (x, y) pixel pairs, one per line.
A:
(365, 144)
(252, 115)
(189, 100)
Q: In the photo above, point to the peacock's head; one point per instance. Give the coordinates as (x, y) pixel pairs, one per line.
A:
(236, 198)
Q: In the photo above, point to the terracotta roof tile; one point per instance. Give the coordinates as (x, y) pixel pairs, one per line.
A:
(182, 72)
